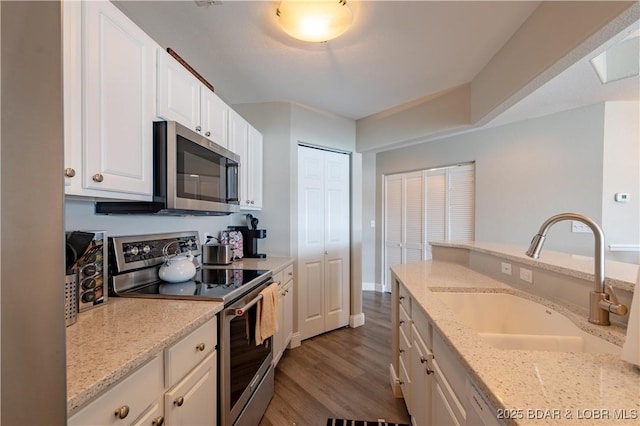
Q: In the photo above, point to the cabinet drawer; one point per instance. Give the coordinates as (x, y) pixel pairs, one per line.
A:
(405, 322)
(405, 345)
(404, 298)
(288, 273)
(423, 327)
(450, 366)
(405, 384)
(154, 416)
(184, 355)
(135, 394)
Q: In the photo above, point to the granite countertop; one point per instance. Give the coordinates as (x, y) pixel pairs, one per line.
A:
(111, 341)
(567, 387)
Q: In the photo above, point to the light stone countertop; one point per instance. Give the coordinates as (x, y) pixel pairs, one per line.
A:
(619, 274)
(111, 341)
(571, 383)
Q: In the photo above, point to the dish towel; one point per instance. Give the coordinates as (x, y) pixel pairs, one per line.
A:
(267, 320)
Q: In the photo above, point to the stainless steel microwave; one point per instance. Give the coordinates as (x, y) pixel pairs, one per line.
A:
(192, 176)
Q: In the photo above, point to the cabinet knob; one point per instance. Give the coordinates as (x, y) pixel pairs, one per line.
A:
(401, 351)
(200, 347)
(98, 177)
(122, 412)
(290, 274)
(179, 401)
(207, 134)
(69, 172)
(401, 322)
(198, 128)
(428, 370)
(401, 297)
(158, 421)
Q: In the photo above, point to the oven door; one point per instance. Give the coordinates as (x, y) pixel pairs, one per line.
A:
(243, 364)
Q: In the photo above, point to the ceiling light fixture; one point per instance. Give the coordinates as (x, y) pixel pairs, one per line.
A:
(314, 21)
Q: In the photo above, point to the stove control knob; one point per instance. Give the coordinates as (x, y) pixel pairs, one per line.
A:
(146, 249)
(133, 251)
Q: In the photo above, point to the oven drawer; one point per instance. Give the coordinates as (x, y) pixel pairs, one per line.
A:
(184, 355)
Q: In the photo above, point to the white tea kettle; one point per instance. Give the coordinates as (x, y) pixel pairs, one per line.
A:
(177, 268)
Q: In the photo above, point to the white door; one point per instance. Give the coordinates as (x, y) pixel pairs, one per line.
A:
(323, 240)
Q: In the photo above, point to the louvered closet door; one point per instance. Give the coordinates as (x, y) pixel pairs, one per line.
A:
(393, 225)
(414, 230)
(436, 215)
(462, 203)
(423, 207)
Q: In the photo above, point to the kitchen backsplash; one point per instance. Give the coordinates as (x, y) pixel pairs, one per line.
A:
(79, 215)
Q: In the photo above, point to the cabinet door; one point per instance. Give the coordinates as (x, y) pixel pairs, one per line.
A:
(278, 338)
(421, 380)
(193, 400)
(442, 413)
(238, 134)
(214, 117)
(178, 93)
(254, 170)
(287, 322)
(118, 93)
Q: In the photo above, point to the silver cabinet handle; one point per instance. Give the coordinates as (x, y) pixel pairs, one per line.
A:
(69, 172)
(207, 134)
(158, 421)
(179, 401)
(122, 412)
(198, 128)
(98, 177)
(200, 347)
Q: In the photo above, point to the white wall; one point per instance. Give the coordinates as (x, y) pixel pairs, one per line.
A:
(79, 215)
(621, 163)
(525, 172)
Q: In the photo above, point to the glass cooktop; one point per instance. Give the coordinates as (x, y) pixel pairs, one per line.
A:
(223, 285)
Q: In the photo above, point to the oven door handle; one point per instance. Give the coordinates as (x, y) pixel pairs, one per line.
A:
(241, 311)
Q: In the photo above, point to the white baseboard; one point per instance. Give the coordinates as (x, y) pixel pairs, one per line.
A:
(356, 320)
(369, 286)
(296, 340)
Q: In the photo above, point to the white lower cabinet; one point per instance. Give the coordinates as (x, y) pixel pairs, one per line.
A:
(154, 416)
(177, 387)
(192, 401)
(434, 384)
(285, 313)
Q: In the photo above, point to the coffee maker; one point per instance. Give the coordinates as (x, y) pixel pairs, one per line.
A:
(250, 237)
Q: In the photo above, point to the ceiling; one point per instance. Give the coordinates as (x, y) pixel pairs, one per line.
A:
(395, 52)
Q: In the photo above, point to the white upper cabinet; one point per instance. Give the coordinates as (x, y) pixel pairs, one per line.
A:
(183, 98)
(246, 141)
(109, 82)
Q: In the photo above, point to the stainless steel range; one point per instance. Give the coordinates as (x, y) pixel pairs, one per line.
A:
(245, 374)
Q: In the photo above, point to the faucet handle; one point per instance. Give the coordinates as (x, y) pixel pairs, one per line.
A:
(613, 305)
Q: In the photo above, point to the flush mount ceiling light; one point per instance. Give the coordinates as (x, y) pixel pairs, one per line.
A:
(314, 21)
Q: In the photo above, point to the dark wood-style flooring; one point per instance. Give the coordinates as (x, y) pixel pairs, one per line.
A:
(340, 374)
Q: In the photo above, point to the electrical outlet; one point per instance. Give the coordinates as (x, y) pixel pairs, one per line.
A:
(526, 275)
(505, 268)
(579, 227)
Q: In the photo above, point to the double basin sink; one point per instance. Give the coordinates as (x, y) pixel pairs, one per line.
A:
(508, 321)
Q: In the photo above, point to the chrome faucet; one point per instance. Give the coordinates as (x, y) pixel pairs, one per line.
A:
(599, 303)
